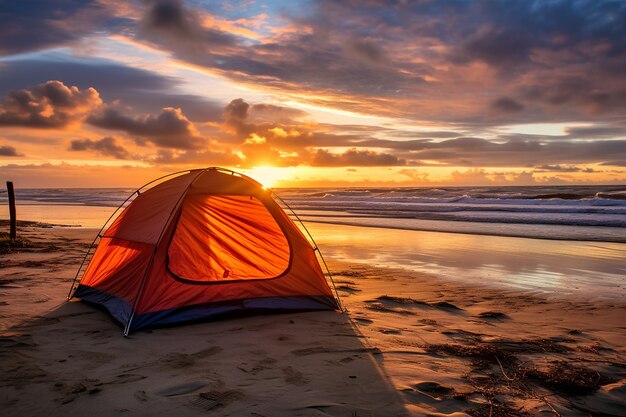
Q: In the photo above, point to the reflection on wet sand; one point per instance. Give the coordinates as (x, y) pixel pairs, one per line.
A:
(560, 267)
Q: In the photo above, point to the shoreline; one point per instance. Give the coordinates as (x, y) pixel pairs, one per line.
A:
(304, 218)
(571, 268)
(473, 233)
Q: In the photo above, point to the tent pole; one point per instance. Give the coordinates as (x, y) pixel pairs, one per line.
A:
(156, 247)
(99, 235)
(315, 248)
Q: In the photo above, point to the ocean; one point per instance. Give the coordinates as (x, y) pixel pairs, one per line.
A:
(584, 213)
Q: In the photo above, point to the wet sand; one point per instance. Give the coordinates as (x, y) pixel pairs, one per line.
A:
(412, 343)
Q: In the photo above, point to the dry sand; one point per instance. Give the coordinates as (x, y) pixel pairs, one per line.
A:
(410, 344)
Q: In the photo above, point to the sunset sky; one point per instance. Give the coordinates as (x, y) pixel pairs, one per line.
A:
(314, 93)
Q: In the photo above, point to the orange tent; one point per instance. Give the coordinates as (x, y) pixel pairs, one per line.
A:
(200, 244)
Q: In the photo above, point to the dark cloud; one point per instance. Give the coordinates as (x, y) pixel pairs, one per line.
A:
(562, 168)
(596, 132)
(354, 157)
(109, 78)
(614, 163)
(169, 129)
(7, 150)
(496, 46)
(590, 96)
(29, 25)
(365, 50)
(236, 116)
(107, 146)
(507, 105)
(168, 15)
(243, 118)
(172, 24)
(516, 153)
(276, 114)
(48, 105)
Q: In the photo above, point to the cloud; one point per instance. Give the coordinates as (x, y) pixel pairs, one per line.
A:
(421, 61)
(297, 142)
(414, 175)
(48, 105)
(562, 168)
(557, 61)
(7, 150)
(561, 60)
(236, 116)
(143, 90)
(204, 157)
(596, 132)
(365, 50)
(478, 176)
(172, 24)
(354, 157)
(29, 25)
(107, 146)
(110, 78)
(169, 129)
(276, 114)
(507, 105)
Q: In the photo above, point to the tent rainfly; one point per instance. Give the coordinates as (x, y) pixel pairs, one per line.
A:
(202, 243)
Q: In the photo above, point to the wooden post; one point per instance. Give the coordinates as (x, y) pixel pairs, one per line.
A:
(13, 220)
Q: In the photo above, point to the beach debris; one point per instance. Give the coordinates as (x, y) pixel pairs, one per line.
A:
(445, 305)
(497, 373)
(496, 409)
(495, 315)
(383, 308)
(212, 400)
(570, 379)
(401, 300)
(347, 288)
(408, 301)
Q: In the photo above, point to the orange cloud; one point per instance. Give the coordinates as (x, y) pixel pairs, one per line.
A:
(48, 105)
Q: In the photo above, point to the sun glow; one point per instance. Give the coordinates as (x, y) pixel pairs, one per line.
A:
(269, 176)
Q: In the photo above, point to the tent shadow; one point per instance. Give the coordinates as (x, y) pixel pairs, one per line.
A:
(74, 359)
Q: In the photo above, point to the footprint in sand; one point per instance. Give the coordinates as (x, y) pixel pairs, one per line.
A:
(256, 367)
(182, 360)
(294, 377)
(348, 288)
(212, 400)
(181, 389)
(141, 396)
(126, 378)
(311, 351)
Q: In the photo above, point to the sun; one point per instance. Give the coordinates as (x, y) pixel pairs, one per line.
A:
(268, 176)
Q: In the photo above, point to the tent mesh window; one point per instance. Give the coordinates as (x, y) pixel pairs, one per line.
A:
(226, 238)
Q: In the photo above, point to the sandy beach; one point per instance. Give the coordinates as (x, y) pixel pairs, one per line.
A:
(411, 343)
